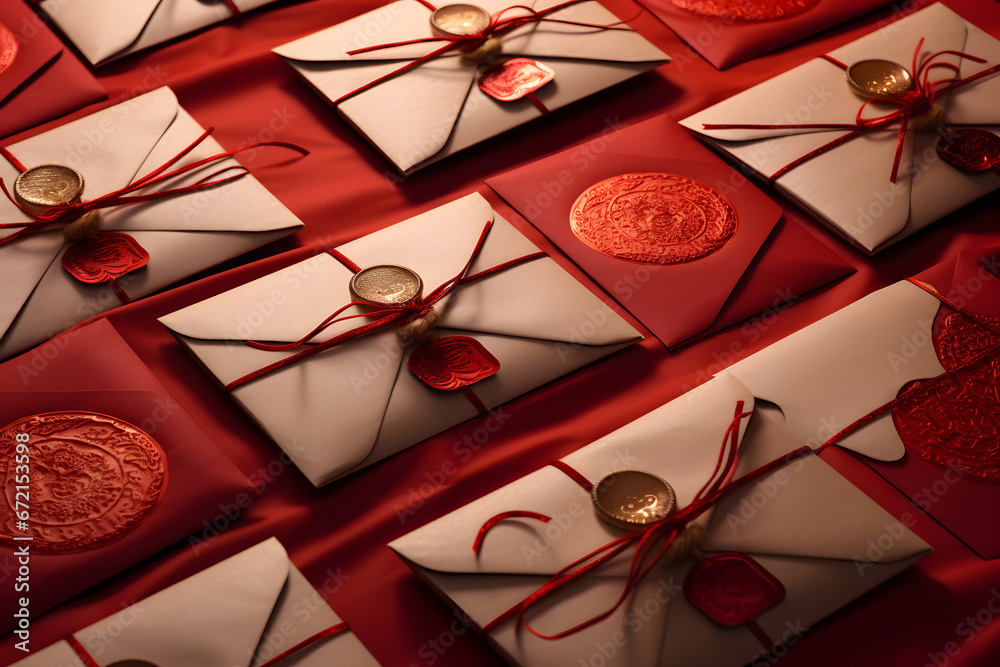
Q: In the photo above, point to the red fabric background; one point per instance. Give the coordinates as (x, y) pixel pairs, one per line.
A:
(226, 77)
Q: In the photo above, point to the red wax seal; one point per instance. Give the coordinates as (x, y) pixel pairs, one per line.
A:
(515, 78)
(8, 47)
(955, 421)
(653, 218)
(732, 588)
(747, 10)
(86, 480)
(452, 363)
(970, 149)
(108, 256)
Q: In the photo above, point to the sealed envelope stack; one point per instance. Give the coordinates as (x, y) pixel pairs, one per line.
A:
(769, 544)
(874, 163)
(421, 89)
(396, 336)
(159, 231)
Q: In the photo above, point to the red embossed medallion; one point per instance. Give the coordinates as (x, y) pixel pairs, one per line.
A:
(954, 421)
(970, 149)
(732, 588)
(653, 218)
(747, 10)
(108, 256)
(92, 480)
(8, 47)
(515, 78)
(453, 362)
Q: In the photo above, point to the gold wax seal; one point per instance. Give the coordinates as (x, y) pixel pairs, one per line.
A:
(40, 188)
(134, 662)
(632, 499)
(879, 79)
(459, 19)
(386, 285)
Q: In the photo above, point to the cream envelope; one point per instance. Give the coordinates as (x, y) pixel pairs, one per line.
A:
(358, 403)
(803, 522)
(443, 110)
(105, 30)
(183, 234)
(848, 187)
(241, 612)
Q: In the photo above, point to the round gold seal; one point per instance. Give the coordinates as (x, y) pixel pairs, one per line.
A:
(633, 499)
(459, 19)
(879, 79)
(386, 285)
(40, 188)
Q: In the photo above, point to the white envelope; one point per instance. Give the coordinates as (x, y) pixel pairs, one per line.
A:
(837, 370)
(105, 30)
(358, 403)
(241, 612)
(183, 234)
(848, 187)
(437, 108)
(807, 525)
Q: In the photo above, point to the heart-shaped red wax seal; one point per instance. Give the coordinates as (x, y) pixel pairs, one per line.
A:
(108, 256)
(732, 588)
(452, 363)
(953, 422)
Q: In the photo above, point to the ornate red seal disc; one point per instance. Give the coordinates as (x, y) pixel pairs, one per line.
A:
(732, 588)
(108, 256)
(91, 480)
(970, 149)
(954, 421)
(653, 218)
(8, 47)
(747, 10)
(515, 78)
(452, 363)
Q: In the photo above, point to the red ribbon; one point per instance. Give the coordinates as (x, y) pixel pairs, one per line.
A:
(719, 485)
(914, 103)
(987, 356)
(381, 318)
(499, 25)
(337, 629)
(62, 215)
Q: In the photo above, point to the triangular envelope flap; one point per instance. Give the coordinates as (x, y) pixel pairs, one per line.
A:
(107, 147)
(816, 92)
(101, 28)
(557, 40)
(807, 509)
(240, 205)
(975, 103)
(215, 617)
(390, 24)
(838, 369)
(679, 441)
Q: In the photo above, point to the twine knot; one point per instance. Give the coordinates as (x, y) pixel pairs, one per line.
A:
(489, 48)
(928, 120)
(419, 328)
(686, 545)
(86, 226)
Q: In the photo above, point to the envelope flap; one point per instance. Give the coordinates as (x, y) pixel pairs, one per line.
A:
(807, 509)
(106, 26)
(215, 617)
(557, 40)
(107, 147)
(679, 441)
(838, 369)
(975, 103)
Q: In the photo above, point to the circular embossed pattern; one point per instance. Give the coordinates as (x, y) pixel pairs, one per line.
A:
(653, 218)
(747, 10)
(460, 19)
(881, 79)
(8, 47)
(732, 588)
(386, 285)
(953, 422)
(632, 498)
(93, 480)
(47, 185)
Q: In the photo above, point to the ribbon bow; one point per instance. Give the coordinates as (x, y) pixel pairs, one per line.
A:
(381, 318)
(650, 544)
(911, 106)
(66, 214)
